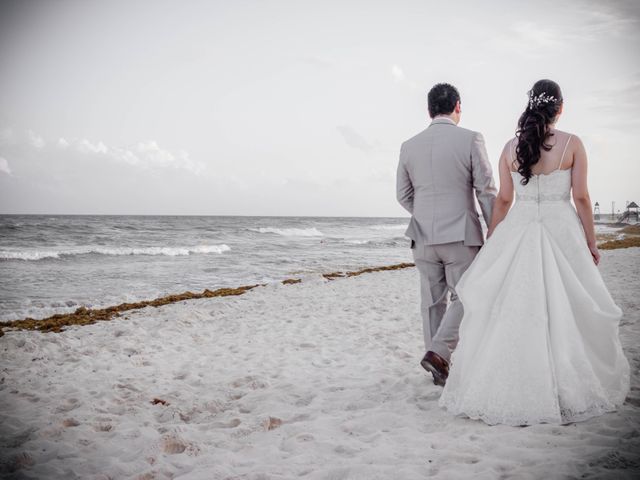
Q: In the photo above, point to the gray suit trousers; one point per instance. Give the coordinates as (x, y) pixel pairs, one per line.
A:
(440, 267)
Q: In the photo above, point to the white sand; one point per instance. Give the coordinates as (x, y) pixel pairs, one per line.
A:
(319, 380)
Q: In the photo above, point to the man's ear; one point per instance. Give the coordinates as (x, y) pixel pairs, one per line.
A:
(457, 107)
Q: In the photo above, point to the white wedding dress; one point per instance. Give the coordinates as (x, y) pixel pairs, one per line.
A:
(539, 338)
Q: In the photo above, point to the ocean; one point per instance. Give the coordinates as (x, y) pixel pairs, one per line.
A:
(56, 263)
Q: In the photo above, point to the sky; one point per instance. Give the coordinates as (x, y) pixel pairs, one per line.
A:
(290, 107)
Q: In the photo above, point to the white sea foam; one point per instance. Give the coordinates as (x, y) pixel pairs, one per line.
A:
(391, 242)
(290, 232)
(388, 227)
(606, 228)
(30, 255)
(169, 251)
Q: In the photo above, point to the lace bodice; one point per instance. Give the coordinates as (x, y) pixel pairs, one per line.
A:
(544, 187)
(552, 187)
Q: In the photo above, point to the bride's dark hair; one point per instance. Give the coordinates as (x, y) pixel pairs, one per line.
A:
(545, 100)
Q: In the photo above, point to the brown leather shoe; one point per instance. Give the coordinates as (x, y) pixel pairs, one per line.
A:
(437, 366)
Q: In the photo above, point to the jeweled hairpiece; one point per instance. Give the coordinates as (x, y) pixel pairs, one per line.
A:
(540, 99)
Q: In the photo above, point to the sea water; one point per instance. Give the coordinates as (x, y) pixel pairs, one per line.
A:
(54, 264)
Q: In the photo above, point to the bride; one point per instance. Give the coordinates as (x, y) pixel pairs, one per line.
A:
(539, 338)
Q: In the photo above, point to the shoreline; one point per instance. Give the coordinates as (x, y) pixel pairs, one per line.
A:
(628, 236)
(87, 316)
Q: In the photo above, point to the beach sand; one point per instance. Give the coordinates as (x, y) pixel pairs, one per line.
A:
(316, 380)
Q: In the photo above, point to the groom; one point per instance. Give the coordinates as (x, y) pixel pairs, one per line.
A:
(438, 172)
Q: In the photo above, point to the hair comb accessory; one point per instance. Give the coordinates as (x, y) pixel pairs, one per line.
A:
(540, 99)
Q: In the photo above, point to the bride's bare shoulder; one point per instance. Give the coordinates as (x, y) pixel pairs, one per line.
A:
(510, 146)
(509, 151)
(511, 143)
(565, 135)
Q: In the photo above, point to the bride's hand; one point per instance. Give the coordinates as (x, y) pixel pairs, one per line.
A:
(595, 254)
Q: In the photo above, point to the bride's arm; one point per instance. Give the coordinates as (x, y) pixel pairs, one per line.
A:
(505, 195)
(581, 197)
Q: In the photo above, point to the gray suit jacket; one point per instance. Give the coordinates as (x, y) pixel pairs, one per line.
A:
(438, 172)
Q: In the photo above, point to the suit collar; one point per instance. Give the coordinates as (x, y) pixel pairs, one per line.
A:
(442, 120)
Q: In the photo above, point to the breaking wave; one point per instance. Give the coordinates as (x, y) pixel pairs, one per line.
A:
(169, 251)
(290, 232)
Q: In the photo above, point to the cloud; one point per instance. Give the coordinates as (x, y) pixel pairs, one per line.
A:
(397, 73)
(399, 76)
(144, 155)
(613, 16)
(7, 136)
(528, 38)
(86, 146)
(4, 166)
(534, 35)
(150, 153)
(354, 139)
(593, 20)
(618, 103)
(36, 140)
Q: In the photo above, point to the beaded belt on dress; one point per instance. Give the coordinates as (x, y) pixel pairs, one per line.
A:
(542, 198)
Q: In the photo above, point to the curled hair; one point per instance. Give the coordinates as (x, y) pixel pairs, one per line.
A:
(545, 100)
(442, 99)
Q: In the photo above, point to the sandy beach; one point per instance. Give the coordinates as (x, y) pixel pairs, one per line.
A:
(316, 380)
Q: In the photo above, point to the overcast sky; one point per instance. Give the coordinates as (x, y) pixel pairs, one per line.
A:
(290, 107)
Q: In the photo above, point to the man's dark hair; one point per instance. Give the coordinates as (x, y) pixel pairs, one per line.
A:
(442, 99)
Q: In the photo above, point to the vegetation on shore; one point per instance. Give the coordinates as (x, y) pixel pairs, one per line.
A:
(87, 316)
(631, 238)
(627, 242)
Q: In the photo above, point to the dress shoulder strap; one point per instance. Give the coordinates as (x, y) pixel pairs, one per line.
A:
(511, 149)
(564, 151)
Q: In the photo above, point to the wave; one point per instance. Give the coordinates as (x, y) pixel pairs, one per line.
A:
(392, 242)
(290, 232)
(169, 251)
(10, 226)
(606, 228)
(393, 226)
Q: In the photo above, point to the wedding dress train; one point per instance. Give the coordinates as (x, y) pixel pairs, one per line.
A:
(539, 338)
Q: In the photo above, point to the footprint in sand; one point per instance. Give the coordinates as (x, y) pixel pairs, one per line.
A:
(171, 444)
(68, 405)
(305, 400)
(250, 381)
(70, 422)
(345, 451)
(326, 362)
(233, 423)
(20, 461)
(305, 437)
(103, 427)
(271, 423)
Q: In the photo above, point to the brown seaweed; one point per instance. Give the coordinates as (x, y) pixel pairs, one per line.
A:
(88, 316)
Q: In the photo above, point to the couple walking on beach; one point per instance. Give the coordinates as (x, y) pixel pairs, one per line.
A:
(523, 329)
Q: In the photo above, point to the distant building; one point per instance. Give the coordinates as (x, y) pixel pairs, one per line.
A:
(631, 213)
(596, 211)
